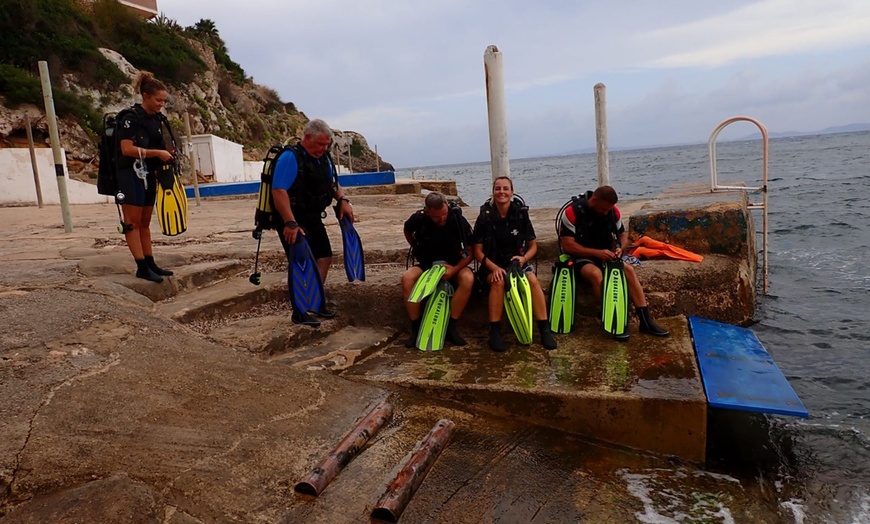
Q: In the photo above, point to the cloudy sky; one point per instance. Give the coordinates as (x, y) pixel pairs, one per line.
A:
(409, 75)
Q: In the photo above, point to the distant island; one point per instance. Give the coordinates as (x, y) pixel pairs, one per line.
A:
(850, 128)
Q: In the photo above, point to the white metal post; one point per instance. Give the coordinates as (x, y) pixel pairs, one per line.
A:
(54, 137)
(495, 104)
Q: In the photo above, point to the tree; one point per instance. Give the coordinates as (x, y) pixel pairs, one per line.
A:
(206, 29)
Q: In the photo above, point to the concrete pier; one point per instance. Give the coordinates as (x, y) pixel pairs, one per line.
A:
(176, 384)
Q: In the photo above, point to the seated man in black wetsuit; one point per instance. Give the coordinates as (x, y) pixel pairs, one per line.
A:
(439, 232)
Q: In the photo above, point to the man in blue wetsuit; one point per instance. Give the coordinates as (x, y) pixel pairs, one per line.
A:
(304, 185)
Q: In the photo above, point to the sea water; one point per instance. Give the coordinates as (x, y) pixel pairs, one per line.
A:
(815, 321)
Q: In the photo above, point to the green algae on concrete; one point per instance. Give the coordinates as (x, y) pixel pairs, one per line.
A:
(645, 393)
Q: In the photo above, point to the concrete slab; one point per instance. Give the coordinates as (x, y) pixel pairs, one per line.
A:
(99, 388)
(645, 393)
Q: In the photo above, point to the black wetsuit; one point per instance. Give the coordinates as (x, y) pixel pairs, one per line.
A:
(503, 238)
(146, 132)
(432, 242)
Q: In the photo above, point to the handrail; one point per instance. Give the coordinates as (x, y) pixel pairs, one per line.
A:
(714, 183)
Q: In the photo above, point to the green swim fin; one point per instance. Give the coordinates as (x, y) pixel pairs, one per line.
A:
(427, 282)
(562, 295)
(171, 202)
(518, 303)
(436, 315)
(614, 300)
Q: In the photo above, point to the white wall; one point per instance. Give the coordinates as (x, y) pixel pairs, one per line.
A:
(219, 158)
(16, 180)
(253, 170)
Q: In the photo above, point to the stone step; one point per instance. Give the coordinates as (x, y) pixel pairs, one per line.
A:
(186, 279)
(645, 393)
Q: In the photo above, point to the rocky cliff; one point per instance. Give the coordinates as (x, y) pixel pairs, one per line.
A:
(217, 101)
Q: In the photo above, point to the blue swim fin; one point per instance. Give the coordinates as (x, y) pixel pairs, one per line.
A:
(354, 260)
(306, 293)
(614, 300)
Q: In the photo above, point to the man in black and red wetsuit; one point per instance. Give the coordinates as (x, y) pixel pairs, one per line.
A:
(592, 232)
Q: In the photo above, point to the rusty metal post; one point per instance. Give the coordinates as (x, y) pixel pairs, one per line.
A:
(192, 156)
(33, 160)
(393, 502)
(349, 447)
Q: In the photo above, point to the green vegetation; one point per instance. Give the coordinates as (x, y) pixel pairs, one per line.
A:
(19, 87)
(68, 38)
(205, 31)
(157, 47)
(68, 34)
(56, 31)
(356, 148)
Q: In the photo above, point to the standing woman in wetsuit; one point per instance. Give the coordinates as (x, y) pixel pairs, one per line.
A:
(143, 151)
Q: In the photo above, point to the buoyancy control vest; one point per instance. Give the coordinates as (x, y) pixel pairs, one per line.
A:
(310, 194)
(424, 236)
(315, 184)
(590, 230)
(517, 217)
(110, 150)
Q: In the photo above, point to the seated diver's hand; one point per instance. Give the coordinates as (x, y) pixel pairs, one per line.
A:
(497, 275)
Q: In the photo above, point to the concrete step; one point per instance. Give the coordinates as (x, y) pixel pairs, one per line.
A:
(223, 299)
(187, 278)
(645, 393)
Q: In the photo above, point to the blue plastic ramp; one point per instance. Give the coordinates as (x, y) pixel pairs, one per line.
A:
(738, 373)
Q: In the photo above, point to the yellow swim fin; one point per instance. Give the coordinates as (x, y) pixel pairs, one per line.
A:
(171, 202)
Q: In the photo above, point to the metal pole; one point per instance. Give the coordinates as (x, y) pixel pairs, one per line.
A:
(33, 161)
(393, 502)
(350, 446)
(495, 105)
(54, 137)
(601, 134)
(377, 159)
(192, 156)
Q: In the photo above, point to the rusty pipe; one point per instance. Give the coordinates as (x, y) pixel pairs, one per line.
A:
(393, 502)
(350, 446)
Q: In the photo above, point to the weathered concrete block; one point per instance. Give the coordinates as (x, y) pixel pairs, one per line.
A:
(447, 187)
(720, 288)
(718, 226)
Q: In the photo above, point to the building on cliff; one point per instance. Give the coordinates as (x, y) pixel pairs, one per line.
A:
(146, 8)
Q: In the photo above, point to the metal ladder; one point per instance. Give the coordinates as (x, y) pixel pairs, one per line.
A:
(714, 183)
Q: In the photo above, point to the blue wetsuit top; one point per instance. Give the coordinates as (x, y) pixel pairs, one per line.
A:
(286, 169)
